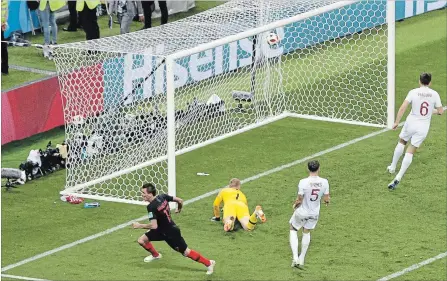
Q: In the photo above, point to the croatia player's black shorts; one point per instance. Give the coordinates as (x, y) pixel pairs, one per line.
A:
(171, 235)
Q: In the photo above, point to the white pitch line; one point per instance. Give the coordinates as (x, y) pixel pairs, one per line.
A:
(413, 267)
(34, 70)
(190, 201)
(22, 277)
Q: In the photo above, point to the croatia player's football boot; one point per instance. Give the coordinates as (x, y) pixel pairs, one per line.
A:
(152, 258)
(211, 268)
(391, 170)
(393, 185)
(229, 224)
(260, 214)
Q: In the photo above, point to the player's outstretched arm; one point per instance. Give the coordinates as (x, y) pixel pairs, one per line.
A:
(298, 201)
(401, 113)
(438, 106)
(179, 202)
(216, 207)
(152, 225)
(326, 199)
(438, 110)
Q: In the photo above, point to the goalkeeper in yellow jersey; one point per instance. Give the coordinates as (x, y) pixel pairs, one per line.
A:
(236, 207)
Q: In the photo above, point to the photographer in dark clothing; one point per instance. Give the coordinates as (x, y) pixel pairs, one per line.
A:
(89, 19)
(75, 22)
(149, 7)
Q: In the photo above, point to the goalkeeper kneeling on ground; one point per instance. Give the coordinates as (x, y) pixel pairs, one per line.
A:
(236, 207)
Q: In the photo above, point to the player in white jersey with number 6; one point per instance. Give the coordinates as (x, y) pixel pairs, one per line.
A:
(307, 210)
(424, 102)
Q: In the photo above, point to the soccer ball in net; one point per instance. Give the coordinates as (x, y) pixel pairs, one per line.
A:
(272, 39)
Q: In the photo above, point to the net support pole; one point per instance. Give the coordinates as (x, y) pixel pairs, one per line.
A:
(253, 66)
(391, 68)
(170, 91)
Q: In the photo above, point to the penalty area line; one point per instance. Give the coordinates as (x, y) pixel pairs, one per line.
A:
(195, 199)
(413, 267)
(22, 277)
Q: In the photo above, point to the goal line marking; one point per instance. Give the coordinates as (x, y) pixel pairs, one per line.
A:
(190, 201)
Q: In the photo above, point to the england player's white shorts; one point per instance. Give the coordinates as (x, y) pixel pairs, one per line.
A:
(414, 131)
(300, 219)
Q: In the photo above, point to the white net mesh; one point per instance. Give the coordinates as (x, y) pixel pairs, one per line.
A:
(328, 66)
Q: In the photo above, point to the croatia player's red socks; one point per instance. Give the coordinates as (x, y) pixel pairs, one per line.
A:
(199, 258)
(150, 248)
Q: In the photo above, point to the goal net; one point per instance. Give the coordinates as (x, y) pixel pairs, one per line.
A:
(133, 102)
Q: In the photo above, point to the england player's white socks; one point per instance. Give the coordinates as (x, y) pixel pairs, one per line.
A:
(304, 245)
(406, 162)
(294, 244)
(398, 151)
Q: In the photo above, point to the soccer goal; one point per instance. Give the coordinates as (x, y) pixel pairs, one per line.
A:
(134, 102)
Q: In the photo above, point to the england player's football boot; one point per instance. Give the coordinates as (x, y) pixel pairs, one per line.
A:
(300, 262)
(393, 184)
(391, 170)
(294, 263)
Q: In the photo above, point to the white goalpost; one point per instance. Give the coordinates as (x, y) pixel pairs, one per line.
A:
(134, 102)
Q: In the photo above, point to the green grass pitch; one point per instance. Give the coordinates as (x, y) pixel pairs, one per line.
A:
(366, 233)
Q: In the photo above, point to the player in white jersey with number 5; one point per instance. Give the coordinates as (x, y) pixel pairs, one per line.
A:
(424, 102)
(307, 210)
